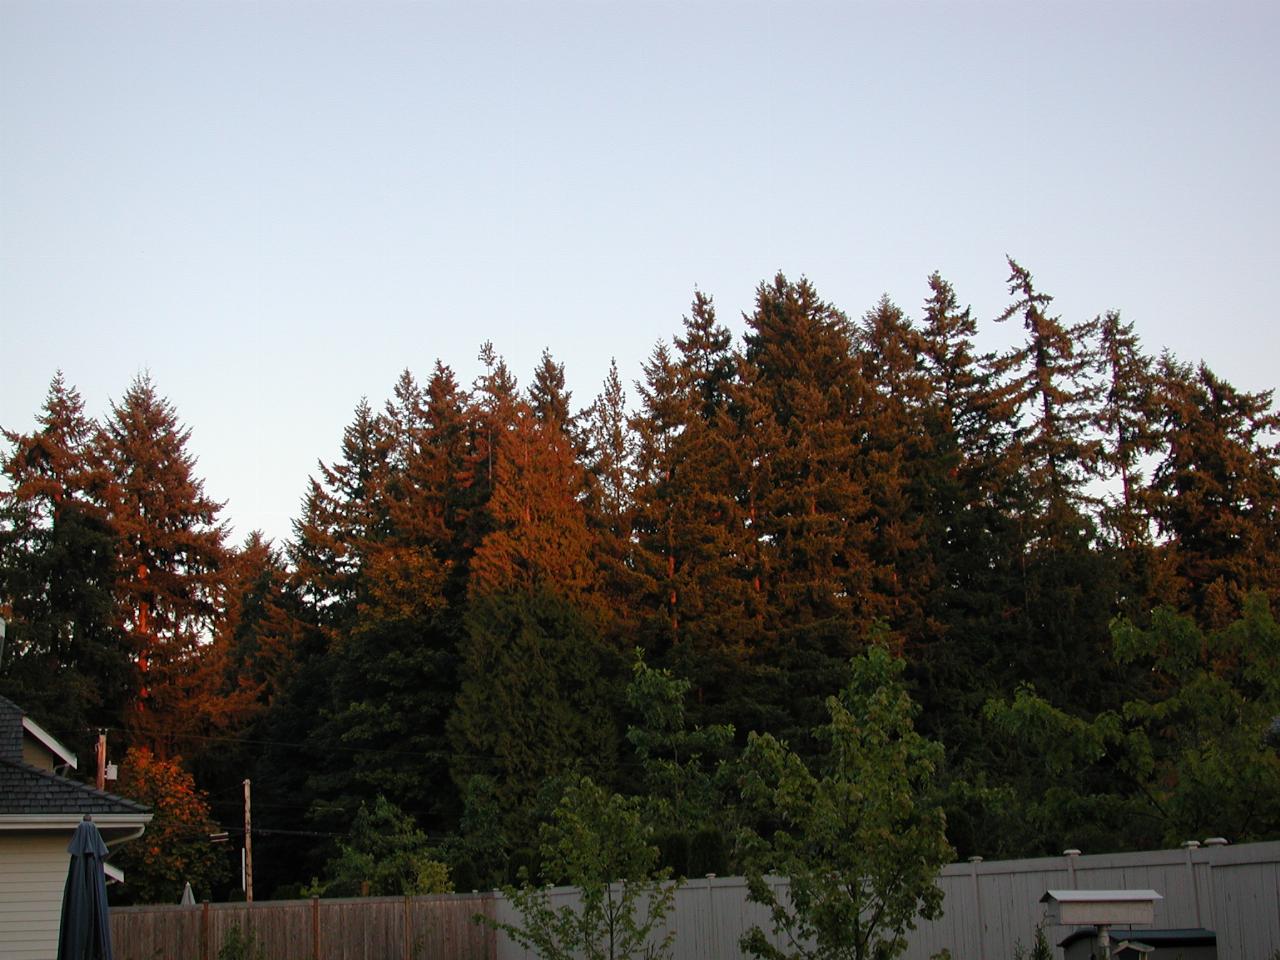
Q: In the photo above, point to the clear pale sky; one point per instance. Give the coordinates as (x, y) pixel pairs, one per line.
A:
(276, 207)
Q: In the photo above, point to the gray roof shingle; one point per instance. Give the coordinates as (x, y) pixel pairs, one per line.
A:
(25, 789)
(28, 790)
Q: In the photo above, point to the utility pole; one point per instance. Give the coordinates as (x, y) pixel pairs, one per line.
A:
(248, 848)
(101, 779)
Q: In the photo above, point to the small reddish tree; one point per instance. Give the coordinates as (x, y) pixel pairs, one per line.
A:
(175, 849)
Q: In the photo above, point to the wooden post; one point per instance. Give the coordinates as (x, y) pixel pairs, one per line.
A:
(408, 930)
(315, 928)
(248, 848)
(204, 931)
(101, 780)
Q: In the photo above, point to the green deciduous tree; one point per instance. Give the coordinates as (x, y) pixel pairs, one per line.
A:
(859, 836)
(679, 765)
(385, 854)
(1187, 756)
(598, 842)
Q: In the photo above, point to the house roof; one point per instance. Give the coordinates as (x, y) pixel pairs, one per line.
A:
(27, 790)
(32, 798)
(1100, 896)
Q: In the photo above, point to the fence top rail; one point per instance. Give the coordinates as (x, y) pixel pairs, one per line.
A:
(301, 904)
(1264, 852)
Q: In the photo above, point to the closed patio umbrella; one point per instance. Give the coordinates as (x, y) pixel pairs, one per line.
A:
(85, 931)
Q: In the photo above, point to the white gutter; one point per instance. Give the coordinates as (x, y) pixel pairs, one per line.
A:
(69, 821)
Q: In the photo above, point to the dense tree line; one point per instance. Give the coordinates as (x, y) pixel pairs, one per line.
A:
(1070, 545)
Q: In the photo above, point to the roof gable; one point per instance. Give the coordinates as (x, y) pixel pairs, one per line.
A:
(29, 791)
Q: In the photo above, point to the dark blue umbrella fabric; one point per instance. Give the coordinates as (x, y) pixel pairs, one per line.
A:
(85, 933)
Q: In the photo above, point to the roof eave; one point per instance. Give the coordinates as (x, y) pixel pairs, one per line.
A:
(64, 821)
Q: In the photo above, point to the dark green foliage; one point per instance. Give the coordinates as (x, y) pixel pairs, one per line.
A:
(239, 945)
(385, 854)
(66, 660)
(1186, 757)
(678, 765)
(537, 696)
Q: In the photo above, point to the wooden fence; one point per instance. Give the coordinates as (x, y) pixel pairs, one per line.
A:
(366, 928)
(990, 907)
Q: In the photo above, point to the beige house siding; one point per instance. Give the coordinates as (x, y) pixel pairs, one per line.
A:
(36, 755)
(33, 871)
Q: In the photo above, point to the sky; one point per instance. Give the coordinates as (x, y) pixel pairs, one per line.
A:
(273, 208)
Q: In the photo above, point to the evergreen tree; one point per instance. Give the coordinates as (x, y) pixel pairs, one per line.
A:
(66, 660)
(809, 509)
(537, 673)
(342, 512)
(1070, 587)
(547, 394)
(1215, 491)
(1126, 422)
(306, 771)
(172, 558)
(895, 458)
(692, 532)
(393, 666)
(384, 855)
(537, 700)
(245, 668)
(609, 503)
(540, 537)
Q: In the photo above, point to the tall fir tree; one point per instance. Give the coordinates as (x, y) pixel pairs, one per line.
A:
(172, 559)
(394, 668)
(1215, 491)
(344, 514)
(970, 524)
(1126, 424)
(712, 605)
(802, 431)
(1069, 586)
(66, 659)
(609, 449)
(537, 672)
(895, 459)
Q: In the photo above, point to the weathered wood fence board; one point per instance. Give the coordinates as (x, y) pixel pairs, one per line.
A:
(990, 907)
(373, 928)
